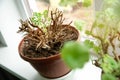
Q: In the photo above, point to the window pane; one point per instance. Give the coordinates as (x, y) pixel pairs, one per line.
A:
(71, 13)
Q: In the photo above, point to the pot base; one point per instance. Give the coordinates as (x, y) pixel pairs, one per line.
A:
(68, 76)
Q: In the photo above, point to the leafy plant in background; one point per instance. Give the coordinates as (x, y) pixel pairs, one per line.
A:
(108, 77)
(105, 32)
(86, 3)
(79, 24)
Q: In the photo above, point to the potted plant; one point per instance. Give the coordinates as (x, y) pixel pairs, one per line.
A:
(44, 36)
(103, 40)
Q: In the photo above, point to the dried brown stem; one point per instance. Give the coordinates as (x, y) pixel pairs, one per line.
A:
(50, 41)
(111, 39)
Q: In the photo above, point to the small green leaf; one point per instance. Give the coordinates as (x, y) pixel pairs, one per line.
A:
(87, 3)
(68, 2)
(108, 77)
(97, 49)
(89, 43)
(101, 25)
(108, 64)
(79, 24)
(87, 32)
(75, 54)
(45, 13)
(41, 19)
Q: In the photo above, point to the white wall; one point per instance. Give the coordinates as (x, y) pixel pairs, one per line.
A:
(9, 21)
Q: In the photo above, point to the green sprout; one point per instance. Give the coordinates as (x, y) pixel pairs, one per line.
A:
(41, 19)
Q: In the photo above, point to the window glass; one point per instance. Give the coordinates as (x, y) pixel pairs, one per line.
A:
(71, 13)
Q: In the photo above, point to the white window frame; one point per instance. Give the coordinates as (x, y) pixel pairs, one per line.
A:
(27, 7)
(2, 40)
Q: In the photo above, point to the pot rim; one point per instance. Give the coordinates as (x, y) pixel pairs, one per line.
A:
(56, 56)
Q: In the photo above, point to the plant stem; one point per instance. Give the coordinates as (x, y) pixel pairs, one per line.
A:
(113, 46)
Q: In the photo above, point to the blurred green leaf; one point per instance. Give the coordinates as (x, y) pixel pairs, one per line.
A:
(45, 13)
(101, 25)
(79, 24)
(109, 64)
(75, 54)
(108, 77)
(89, 43)
(68, 2)
(116, 8)
(87, 3)
(97, 49)
(87, 32)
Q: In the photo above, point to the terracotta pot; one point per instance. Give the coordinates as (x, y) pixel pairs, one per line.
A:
(50, 67)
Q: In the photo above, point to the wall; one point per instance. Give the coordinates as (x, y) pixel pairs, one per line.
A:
(9, 20)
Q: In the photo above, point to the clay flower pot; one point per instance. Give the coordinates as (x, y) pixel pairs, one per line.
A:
(49, 67)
